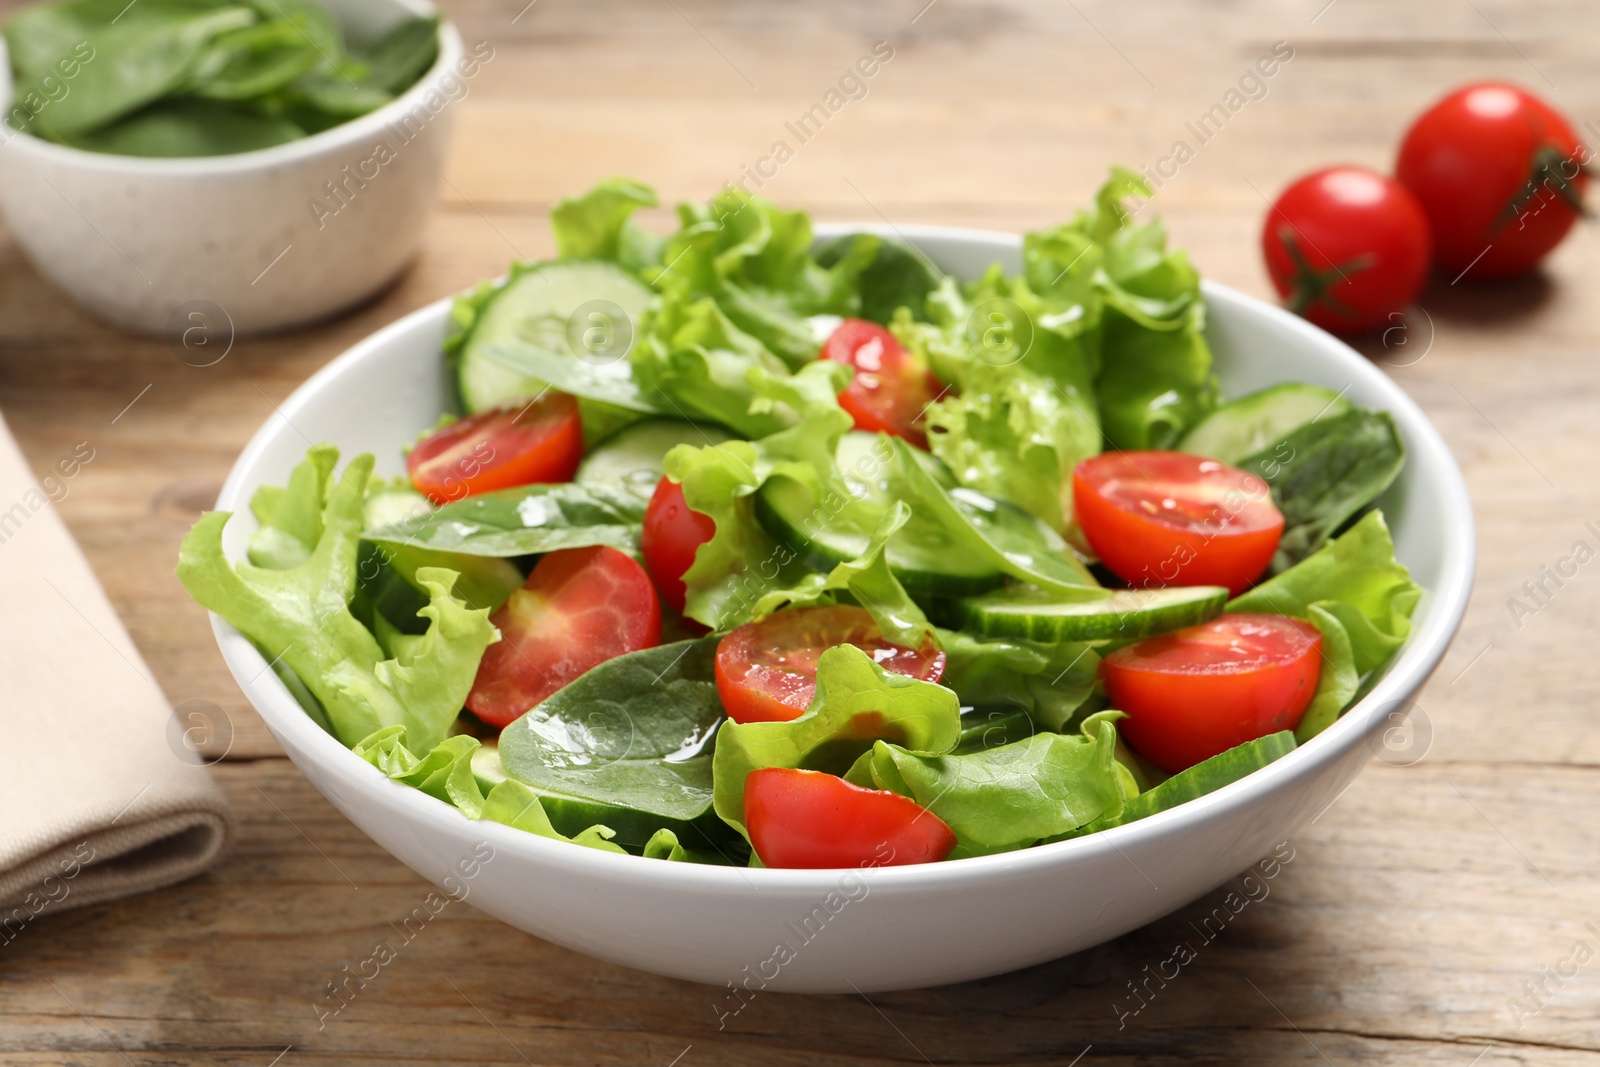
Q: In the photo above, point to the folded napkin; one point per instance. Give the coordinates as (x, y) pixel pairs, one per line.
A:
(97, 799)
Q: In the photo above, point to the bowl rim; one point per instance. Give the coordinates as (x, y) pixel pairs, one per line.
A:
(1416, 660)
(326, 141)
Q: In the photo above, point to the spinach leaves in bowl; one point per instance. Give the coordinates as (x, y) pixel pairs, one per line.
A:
(180, 78)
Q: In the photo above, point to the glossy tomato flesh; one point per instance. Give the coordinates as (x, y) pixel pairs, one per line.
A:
(1194, 693)
(1500, 174)
(767, 671)
(1347, 248)
(891, 391)
(671, 535)
(810, 819)
(579, 608)
(1171, 518)
(535, 441)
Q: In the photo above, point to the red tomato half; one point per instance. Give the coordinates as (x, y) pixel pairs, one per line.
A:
(1169, 518)
(1193, 693)
(669, 539)
(1500, 174)
(539, 440)
(579, 608)
(810, 819)
(1346, 248)
(767, 670)
(891, 391)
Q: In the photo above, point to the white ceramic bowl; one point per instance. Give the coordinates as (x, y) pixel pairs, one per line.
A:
(897, 927)
(235, 243)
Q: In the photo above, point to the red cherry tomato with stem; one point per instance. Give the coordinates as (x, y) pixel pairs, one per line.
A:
(579, 608)
(1501, 176)
(672, 533)
(891, 391)
(1171, 518)
(529, 442)
(766, 671)
(1347, 248)
(814, 820)
(1197, 692)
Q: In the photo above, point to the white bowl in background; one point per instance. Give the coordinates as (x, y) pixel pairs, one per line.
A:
(896, 927)
(233, 243)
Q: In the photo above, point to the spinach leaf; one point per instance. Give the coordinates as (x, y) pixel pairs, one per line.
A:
(628, 741)
(403, 55)
(1325, 472)
(137, 62)
(523, 521)
(186, 127)
(1205, 777)
(609, 383)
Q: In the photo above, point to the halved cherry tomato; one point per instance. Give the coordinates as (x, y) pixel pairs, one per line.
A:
(1500, 174)
(579, 608)
(767, 670)
(671, 534)
(1170, 518)
(811, 819)
(539, 440)
(891, 391)
(1347, 248)
(1193, 693)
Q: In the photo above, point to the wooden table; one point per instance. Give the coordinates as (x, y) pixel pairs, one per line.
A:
(1414, 911)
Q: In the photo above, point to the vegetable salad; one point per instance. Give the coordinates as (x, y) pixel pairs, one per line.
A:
(749, 550)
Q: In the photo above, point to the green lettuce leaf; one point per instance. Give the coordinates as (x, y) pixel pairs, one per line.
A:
(898, 276)
(446, 773)
(1359, 596)
(301, 615)
(1011, 796)
(599, 225)
(755, 260)
(857, 703)
(1205, 777)
(1051, 683)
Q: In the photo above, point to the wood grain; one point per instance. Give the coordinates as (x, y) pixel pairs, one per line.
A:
(1414, 909)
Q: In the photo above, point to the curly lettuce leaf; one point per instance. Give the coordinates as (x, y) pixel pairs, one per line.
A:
(600, 225)
(1010, 796)
(300, 615)
(445, 772)
(857, 703)
(1052, 683)
(1359, 596)
(1208, 776)
(755, 259)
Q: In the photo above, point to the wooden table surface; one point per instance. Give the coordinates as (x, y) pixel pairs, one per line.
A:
(1448, 886)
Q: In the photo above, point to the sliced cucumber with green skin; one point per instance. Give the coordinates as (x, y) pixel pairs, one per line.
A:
(536, 307)
(1249, 424)
(921, 556)
(631, 458)
(1127, 614)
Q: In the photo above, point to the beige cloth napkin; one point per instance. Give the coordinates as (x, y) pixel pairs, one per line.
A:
(96, 799)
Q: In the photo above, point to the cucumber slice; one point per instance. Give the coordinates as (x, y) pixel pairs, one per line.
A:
(1249, 424)
(536, 307)
(630, 459)
(1126, 614)
(392, 504)
(921, 555)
